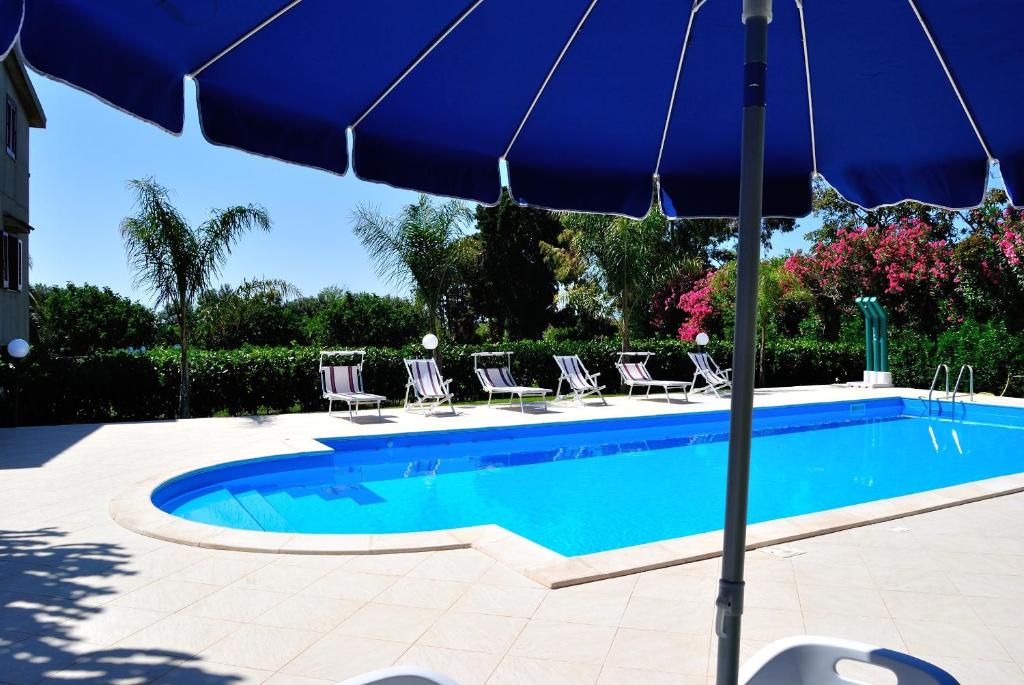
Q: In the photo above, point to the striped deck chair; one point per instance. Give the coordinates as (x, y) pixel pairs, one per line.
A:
(498, 379)
(344, 382)
(427, 387)
(634, 373)
(716, 377)
(581, 382)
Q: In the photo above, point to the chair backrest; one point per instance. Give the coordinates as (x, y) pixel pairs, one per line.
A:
(633, 371)
(425, 378)
(705, 364)
(341, 380)
(574, 372)
(810, 660)
(496, 378)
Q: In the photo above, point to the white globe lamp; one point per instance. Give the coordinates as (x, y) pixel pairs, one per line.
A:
(702, 339)
(430, 341)
(17, 348)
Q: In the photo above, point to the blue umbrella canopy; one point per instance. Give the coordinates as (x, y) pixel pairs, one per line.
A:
(586, 101)
(589, 105)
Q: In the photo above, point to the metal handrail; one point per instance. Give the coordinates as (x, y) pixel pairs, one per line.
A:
(935, 379)
(959, 377)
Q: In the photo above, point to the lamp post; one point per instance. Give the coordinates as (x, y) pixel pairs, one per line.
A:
(17, 349)
(430, 342)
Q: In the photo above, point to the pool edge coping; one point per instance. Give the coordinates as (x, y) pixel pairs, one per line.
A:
(133, 509)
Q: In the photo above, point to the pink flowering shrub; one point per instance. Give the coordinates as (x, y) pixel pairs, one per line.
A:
(990, 269)
(912, 274)
(697, 308)
(925, 284)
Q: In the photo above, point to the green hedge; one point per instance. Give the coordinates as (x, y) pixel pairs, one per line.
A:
(121, 386)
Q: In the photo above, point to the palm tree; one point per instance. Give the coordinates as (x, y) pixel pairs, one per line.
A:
(613, 264)
(176, 261)
(422, 247)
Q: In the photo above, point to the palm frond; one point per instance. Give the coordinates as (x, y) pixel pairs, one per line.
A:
(218, 234)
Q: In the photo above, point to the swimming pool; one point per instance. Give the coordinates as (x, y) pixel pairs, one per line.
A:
(589, 486)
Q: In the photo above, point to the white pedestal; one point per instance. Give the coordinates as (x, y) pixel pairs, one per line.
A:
(873, 379)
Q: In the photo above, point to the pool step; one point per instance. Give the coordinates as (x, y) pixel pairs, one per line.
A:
(262, 511)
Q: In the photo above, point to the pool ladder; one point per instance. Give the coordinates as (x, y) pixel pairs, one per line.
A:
(956, 387)
(931, 390)
(960, 377)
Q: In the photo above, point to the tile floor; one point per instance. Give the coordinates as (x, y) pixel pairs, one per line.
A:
(84, 600)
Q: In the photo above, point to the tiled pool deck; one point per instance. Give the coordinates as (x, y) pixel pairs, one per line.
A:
(83, 599)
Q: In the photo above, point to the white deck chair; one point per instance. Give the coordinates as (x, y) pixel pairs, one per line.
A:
(344, 382)
(428, 389)
(808, 660)
(581, 382)
(498, 379)
(634, 373)
(716, 377)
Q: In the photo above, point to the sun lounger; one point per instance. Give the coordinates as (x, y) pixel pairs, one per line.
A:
(716, 377)
(496, 377)
(581, 382)
(634, 373)
(344, 382)
(426, 386)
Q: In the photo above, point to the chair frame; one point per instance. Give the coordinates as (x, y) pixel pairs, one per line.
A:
(715, 376)
(349, 398)
(512, 390)
(578, 395)
(649, 383)
(428, 403)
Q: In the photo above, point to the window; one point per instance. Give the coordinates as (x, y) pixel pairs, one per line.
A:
(13, 259)
(11, 129)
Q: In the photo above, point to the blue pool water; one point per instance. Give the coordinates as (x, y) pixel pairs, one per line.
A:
(588, 486)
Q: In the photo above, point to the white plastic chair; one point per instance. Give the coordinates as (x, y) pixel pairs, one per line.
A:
(809, 660)
(400, 675)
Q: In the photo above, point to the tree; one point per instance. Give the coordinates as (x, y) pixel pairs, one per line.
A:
(710, 241)
(458, 308)
(176, 261)
(613, 265)
(710, 304)
(911, 272)
(516, 285)
(77, 320)
(837, 213)
(420, 247)
(255, 313)
(340, 318)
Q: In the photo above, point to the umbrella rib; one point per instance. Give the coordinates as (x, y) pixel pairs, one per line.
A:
(551, 72)
(422, 56)
(675, 85)
(246, 36)
(949, 76)
(807, 75)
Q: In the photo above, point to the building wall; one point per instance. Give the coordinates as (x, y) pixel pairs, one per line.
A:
(14, 180)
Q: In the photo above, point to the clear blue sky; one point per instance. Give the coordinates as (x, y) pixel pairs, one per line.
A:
(81, 161)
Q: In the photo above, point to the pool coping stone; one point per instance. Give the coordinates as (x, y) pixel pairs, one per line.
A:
(133, 509)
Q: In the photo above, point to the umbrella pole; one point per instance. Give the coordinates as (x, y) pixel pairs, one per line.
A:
(729, 605)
